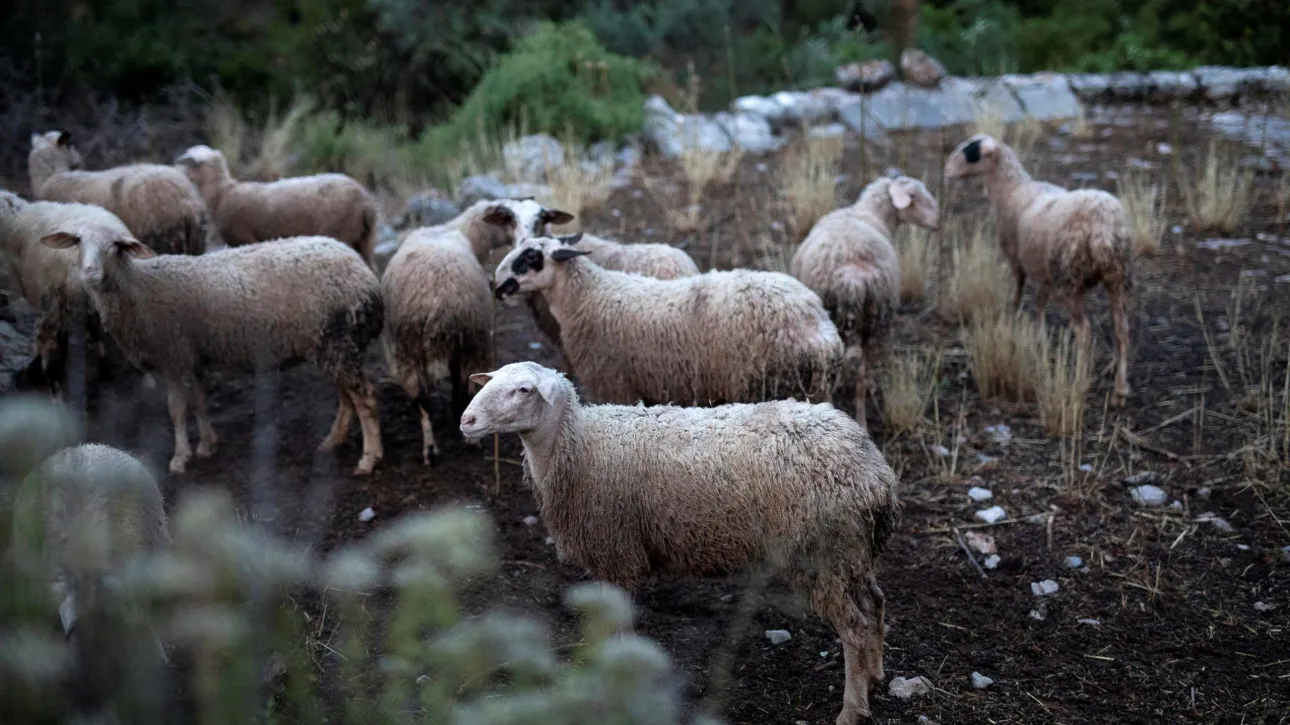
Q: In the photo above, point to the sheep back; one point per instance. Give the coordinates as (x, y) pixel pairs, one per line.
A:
(330, 205)
(1073, 240)
(661, 261)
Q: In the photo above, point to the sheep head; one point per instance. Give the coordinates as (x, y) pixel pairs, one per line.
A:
(530, 267)
(52, 153)
(914, 203)
(204, 166)
(101, 249)
(508, 222)
(515, 398)
(976, 156)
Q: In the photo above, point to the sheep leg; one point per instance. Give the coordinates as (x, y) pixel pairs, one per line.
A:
(208, 439)
(364, 399)
(340, 426)
(429, 448)
(877, 606)
(1120, 317)
(845, 608)
(177, 403)
(1083, 329)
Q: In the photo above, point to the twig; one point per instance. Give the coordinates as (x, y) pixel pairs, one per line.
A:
(971, 557)
(951, 529)
(510, 461)
(1134, 439)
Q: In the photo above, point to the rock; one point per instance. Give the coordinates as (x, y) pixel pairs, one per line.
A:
(1072, 562)
(901, 107)
(905, 688)
(366, 514)
(672, 133)
(1089, 86)
(1176, 505)
(867, 76)
(530, 520)
(1045, 96)
(778, 636)
(762, 106)
(1273, 80)
(1000, 433)
(1165, 85)
(1264, 607)
(828, 130)
(1045, 588)
(1285, 554)
(1040, 612)
(1220, 524)
(980, 681)
(1148, 495)
(980, 495)
(920, 69)
(990, 95)
(479, 187)
(981, 543)
(750, 132)
(1141, 477)
(1086, 467)
(984, 460)
(991, 561)
(531, 158)
(385, 248)
(853, 114)
(1090, 621)
(1269, 133)
(939, 450)
(1220, 83)
(803, 108)
(992, 514)
(1128, 86)
(426, 210)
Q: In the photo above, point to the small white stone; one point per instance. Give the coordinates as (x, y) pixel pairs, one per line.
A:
(991, 561)
(1204, 493)
(422, 679)
(1072, 562)
(906, 688)
(1148, 495)
(1177, 229)
(980, 681)
(1000, 433)
(1242, 547)
(1176, 505)
(535, 346)
(992, 514)
(1090, 621)
(1164, 148)
(530, 520)
(1141, 477)
(549, 541)
(978, 494)
(1219, 524)
(824, 653)
(366, 514)
(940, 450)
(1086, 467)
(1045, 588)
(1264, 607)
(983, 459)
(778, 636)
(1040, 613)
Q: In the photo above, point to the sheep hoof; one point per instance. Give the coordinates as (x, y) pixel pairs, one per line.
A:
(206, 449)
(429, 456)
(365, 466)
(850, 716)
(178, 464)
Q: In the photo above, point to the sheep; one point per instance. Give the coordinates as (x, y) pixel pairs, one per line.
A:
(1067, 241)
(438, 313)
(46, 278)
(849, 261)
(796, 488)
(157, 202)
(660, 261)
(719, 337)
(253, 307)
(245, 212)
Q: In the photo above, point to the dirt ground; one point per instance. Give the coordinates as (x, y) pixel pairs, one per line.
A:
(1177, 636)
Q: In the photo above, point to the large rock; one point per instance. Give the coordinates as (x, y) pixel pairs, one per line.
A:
(1269, 133)
(1220, 83)
(1163, 85)
(427, 209)
(1128, 86)
(750, 132)
(1089, 86)
(767, 108)
(1273, 80)
(990, 95)
(488, 186)
(1044, 96)
(900, 107)
(920, 69)
(867, 76)
(806, 107)
(854, 117)
(531, 158)
(672, 133)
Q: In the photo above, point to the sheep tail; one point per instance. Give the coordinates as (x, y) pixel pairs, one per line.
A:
(859, 304)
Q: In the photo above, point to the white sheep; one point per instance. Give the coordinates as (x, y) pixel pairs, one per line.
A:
(1067, 241)
(245, 212)
(793, 488)
(157, 202)
(848, 260)
(253, 307)
(46, 278)
(719, 337)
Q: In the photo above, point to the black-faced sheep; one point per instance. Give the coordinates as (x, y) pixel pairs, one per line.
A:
(793, 488)
(1067, 241)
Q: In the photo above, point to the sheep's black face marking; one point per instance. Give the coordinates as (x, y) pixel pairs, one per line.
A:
(571, 239)
(529, 259)
(509, 287)
(972, 152)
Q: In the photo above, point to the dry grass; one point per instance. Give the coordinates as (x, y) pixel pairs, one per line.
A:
(700, 167)
(231, 133)
(1065, 376)
(913, 245)
(1021, 135)
(809, 178)
(1005, 350)
(273, 159)
(1081, 129)
(227, 130)
(907, 385)
(1145, 204)
(979, 283)
(577, 185)
(1217, 199)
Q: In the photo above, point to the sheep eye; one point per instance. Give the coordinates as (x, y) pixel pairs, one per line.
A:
(525, 389)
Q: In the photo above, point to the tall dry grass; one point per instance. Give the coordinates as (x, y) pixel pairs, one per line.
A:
(1065, 376)
(1220, 195)
(809, 178)
(1145, 203)
(914, 247)
(578, 185)
(1005, 350)
(980, 283)
(908, 382)
(258, 151)
(1020, 135)
(700, 167)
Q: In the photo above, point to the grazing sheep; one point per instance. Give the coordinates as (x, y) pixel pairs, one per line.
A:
(438, 319)
(254, 307)
(849, 261)
(1067, 241)
(157, 202)
(46, 278)
(791, 487)
(720, 337)
(660, 261)
(328, 205)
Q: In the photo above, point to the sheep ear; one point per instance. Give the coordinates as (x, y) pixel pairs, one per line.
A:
(64, 139)
(60, 240)
(564, 255)
(570, 239)
(899, 195)
(135, 248)
(556, 216)
(549, 387)
(185, 159)
(481, 379)
(499, 215)
(36, 139)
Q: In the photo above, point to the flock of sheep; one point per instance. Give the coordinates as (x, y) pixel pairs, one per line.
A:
(709, 443)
